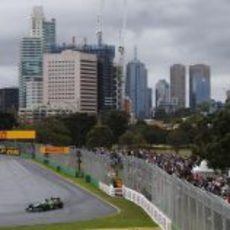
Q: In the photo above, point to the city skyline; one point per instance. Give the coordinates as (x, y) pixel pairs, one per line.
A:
(172, 36)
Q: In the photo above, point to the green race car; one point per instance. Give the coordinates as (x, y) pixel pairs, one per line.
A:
(52, 203)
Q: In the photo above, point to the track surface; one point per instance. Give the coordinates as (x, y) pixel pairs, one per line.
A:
(23, 182)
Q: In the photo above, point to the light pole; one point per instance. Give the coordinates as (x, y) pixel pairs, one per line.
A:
(79, 161)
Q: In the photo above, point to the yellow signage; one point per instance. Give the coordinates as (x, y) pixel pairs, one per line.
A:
(54, 150)
(18, 134)
(9, 151)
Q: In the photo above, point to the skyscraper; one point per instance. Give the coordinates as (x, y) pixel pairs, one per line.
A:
(178, 85)
(136, 88)
(200, 86)
(49, 35)
(42, 38)
(106, 76)
(30, 65)
(162, 93)
(70, 78)
(43, 29)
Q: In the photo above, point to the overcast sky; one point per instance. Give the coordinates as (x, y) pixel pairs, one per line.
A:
(165, 32)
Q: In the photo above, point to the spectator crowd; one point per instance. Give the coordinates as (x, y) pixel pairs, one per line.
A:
(175, 165)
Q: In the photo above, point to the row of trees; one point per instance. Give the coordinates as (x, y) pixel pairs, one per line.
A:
(109, 128)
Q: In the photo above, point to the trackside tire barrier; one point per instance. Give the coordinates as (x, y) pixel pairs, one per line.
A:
(155, 214)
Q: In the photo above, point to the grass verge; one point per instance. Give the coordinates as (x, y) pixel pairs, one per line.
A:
(129, 215)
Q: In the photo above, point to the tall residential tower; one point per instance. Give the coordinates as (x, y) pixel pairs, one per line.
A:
(178, 85)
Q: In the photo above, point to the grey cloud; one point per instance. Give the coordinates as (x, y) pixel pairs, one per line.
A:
(166, 32)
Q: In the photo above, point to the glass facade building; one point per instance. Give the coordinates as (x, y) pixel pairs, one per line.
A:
(200, 85)
(49, 35)
(42, 38)
(30, 64)
(136, 88)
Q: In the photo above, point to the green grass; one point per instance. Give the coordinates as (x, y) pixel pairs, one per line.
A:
(129, 215)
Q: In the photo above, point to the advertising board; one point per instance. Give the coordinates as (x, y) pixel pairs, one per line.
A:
(18, 134)
(54, 150)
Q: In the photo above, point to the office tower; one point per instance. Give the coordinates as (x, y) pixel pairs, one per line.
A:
(42, 38)
(200, 86)
(30, 65)
(106, 78)
(49, 35)
(178, 85)
(70, 78)
(136, 88)
(162, 93)
(8, 100)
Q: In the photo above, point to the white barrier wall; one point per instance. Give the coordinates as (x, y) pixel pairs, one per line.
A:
(140, 200)
(155, 214)
(109, 190)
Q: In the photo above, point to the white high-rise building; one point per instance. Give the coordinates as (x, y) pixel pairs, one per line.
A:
(70, 78)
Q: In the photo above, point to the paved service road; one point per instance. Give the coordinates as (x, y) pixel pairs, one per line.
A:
(23, 182)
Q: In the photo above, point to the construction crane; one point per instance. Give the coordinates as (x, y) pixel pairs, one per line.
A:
(100, 23)
(121, 60)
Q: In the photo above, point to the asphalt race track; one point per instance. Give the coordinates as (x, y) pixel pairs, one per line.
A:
(23, 182)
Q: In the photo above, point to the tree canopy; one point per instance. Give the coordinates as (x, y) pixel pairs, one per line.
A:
(79, 124)
(117, 121)
(99, 136)
(132, 139)
(50, 131)
(213, 139)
